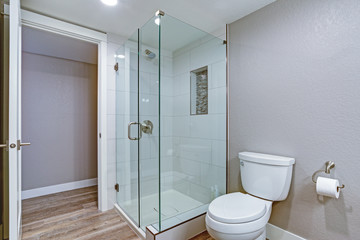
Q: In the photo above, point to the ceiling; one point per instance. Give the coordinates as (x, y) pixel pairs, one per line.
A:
(128, 15)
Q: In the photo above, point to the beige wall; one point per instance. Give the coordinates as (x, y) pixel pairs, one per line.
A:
(59, 118)
(295, 91)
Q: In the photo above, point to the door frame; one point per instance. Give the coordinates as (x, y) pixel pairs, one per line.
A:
(49, 24)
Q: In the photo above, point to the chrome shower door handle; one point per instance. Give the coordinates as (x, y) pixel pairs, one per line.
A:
(129, 131)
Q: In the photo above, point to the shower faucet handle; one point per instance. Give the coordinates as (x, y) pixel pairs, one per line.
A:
(147, 127)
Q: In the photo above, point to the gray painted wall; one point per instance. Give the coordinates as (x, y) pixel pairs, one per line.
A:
(59, 118)
(55, 45)
(295, 91)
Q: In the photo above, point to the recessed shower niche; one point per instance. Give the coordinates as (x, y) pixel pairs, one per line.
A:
(199, 91)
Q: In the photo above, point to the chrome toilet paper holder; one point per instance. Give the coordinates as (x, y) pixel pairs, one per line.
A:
(328, 166)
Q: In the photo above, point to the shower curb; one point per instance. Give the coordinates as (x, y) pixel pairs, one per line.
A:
(182, 231)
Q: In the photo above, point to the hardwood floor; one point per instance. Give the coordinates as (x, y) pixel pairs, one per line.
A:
(72, 215)
(203, 236)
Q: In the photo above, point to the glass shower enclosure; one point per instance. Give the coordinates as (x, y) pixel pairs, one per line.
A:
(170, 122)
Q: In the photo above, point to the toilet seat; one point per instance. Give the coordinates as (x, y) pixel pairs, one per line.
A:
(237, 208)
(251, 226)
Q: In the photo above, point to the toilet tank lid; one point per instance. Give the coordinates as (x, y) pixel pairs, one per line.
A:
(266, 159)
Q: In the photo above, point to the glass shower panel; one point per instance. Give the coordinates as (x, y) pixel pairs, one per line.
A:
(126, 109)
(149, 119)
(171, 87)
(193, 145)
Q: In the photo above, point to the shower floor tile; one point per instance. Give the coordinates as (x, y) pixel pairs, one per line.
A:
(173, 203)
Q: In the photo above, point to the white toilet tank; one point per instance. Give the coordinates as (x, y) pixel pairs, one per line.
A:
(266, 176)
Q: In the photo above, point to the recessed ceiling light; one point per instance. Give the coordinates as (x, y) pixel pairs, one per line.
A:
(110, 2)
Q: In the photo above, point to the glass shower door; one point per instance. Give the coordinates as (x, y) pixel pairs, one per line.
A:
(127, 129)
(137, 126)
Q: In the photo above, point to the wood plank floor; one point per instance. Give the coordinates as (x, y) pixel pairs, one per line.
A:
(72, 215)
(203, 236)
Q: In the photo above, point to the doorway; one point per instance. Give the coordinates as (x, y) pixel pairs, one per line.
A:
(12, 104)
(59, 113)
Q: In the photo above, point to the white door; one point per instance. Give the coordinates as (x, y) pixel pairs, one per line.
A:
(14, 120)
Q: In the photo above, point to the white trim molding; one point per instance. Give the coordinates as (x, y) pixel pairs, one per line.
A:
(102, 127)
(37, 192)
(49, 24)
(275, 233)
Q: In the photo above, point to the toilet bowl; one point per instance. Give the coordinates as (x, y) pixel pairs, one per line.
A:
(239, 216)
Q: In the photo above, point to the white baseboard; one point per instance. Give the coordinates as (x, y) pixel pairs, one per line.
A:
(275, 233)
(37, 192)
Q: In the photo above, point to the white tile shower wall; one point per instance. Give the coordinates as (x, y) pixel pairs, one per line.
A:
(199, 141)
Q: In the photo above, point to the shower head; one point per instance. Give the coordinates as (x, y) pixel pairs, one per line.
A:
(150, 54)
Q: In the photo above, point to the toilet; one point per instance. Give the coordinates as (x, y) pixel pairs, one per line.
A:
(239, 216)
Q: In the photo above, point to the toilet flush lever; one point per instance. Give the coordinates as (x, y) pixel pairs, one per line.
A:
(241, 163)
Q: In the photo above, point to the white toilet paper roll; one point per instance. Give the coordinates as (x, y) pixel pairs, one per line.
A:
(327, 187)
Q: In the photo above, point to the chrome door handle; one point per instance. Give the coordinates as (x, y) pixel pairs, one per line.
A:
(20, 144)
(129, 131)
(5, 145)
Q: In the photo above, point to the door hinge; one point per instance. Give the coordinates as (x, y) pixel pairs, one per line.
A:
(116, 67)
(117, 187)
(99, 135)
